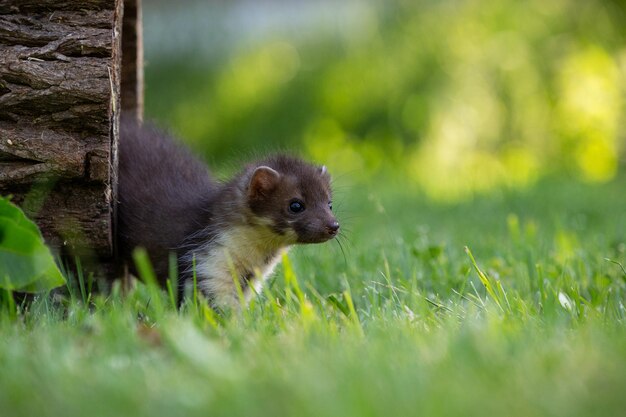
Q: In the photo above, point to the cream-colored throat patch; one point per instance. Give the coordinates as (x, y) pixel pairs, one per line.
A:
(246, 253)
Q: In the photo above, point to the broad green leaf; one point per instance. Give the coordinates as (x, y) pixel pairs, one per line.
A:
(26, 263)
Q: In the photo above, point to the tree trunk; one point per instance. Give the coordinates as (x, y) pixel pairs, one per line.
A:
(60, 98)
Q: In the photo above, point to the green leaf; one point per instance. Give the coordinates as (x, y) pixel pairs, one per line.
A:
(26, 263)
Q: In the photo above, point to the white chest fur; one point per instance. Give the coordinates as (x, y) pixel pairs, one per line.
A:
(244, 253)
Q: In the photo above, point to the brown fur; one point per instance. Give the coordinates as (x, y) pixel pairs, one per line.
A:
(168, 202)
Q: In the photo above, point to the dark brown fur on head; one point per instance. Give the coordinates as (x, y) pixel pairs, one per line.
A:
(292, 195)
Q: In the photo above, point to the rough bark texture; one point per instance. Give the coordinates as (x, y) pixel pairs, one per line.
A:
(132, 60)
(59, 104)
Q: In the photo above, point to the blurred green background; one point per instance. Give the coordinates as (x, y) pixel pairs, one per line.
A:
(452, 98)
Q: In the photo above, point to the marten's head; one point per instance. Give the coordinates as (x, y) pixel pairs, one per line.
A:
(293, 198)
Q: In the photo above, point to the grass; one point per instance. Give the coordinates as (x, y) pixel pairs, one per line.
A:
(529, 321)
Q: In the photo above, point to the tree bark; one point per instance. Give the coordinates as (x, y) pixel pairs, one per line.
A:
(60, 77)
(132, 60)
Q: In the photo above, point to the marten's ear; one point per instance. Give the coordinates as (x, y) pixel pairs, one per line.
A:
(263, 180)
(322, 170)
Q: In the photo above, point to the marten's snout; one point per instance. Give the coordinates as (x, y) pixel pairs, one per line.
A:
(332, 228)
(315, 229)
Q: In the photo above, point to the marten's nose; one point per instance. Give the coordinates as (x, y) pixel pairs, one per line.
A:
(332, 228)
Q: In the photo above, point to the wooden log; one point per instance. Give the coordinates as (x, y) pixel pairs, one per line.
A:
(132, 59)
(60, 80)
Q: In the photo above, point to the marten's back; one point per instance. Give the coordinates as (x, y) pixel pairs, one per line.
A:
(162, 189)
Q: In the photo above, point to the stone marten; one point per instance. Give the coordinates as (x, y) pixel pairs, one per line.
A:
(169, 203)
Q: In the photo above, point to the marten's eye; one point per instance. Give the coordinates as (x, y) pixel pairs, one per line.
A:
(296, 206)
(330, 205)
